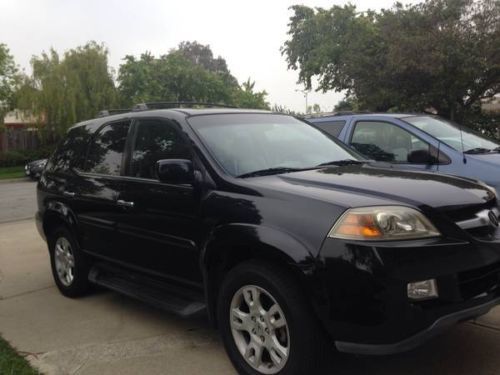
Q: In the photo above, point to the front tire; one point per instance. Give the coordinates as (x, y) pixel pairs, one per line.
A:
(266, 324)
(70, 267)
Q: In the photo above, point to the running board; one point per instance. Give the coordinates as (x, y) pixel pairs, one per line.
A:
(179, 301)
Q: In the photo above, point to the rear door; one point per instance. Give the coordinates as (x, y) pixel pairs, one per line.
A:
(161, 226)
(98, 188)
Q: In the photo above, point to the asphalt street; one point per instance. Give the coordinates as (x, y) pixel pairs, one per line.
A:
(17, 200)
(106, 333)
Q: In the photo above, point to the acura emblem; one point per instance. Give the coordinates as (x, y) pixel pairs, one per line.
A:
(493, 218)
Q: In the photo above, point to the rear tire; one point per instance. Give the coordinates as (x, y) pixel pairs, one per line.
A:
(277, 331)
(70, 267)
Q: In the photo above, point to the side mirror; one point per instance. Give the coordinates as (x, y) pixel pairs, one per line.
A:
(175, 171)
(421, 157)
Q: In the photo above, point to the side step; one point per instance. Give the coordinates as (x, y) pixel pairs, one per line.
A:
(180, 301)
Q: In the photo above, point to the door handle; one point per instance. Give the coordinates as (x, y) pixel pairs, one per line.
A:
(70, 194)
(122, 203)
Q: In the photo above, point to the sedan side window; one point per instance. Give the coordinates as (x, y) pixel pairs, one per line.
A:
(383, 141)
(106, 150)
(155, 140)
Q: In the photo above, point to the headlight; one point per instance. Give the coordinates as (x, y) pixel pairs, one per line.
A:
(383, 223)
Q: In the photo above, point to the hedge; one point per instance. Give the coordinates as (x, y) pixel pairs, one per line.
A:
(20, 157)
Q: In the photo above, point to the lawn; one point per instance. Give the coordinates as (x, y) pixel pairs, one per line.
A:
(12, 363)
(11, 172)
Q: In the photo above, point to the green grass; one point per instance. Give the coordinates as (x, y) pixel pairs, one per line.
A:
(12, 363)
(11, 172)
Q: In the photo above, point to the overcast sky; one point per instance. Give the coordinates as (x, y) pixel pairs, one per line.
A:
(248, 34)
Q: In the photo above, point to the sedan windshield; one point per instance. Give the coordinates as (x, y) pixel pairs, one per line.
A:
(247, 144)
(449, 133)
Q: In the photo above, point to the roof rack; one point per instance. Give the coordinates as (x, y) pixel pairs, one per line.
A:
(109, 112)
(166, 105)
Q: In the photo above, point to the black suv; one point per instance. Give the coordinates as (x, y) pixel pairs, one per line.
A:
(290, 241)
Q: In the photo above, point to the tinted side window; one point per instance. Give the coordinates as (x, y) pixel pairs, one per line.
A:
(155, 140)
(71, 151)
(331, 127)
(106, 149)
(387, 142)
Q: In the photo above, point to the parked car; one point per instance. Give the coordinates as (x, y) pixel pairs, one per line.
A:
(290, 242)
(34, 169)
(418, 142)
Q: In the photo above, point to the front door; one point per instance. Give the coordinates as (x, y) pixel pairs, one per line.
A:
(160, 231)
(383, 141)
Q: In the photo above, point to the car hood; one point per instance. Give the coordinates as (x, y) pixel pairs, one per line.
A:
(365, 185)
(492, 159)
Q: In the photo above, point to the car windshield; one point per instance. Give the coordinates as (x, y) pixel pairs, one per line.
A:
(247, 143)
(449, 133)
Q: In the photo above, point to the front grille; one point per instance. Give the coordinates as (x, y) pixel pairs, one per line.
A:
(467, 212)
(478, 281)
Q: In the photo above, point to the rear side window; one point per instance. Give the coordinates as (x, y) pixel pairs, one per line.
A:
(71, 151)
(106, 149)
(331, 127)
(155, 140)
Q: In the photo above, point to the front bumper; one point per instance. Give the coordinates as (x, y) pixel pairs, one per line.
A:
(416, 340)
(365, 306)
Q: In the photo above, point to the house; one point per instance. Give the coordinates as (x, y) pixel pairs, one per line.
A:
(19, 131)
(491, 105)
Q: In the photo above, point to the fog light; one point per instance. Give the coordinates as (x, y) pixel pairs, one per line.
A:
(421, 290)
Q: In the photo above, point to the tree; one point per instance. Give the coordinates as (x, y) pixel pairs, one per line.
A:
(65, 91)
(347, 104)
(9, 79)
(188, 73)
(439, 54)
(246, 97)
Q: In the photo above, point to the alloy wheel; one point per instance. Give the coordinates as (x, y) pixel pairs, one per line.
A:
(64, 261)
(260, 329)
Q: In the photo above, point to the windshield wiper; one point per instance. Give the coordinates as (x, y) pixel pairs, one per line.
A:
(270, 171)
(341, 163)
(478, 150)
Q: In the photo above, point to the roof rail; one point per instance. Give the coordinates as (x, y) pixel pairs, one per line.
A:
(166, 105)
(340, 113)
(109, 112)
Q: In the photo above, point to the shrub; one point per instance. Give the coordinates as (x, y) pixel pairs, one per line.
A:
(20, 157)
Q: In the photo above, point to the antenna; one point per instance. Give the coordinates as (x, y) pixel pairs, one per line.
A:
(462, 142)
(439, 151)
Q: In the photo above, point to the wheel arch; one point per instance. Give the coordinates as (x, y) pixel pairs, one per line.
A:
(58, 214)
(233, 244)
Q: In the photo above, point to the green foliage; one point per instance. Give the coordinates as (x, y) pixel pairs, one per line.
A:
(287, 111)
(9, 79)
(188, 73)
(64, 91)
(347, 104)
(13, 363)
(7, 173)
(441, 54)
(21, 157)
(246, 97)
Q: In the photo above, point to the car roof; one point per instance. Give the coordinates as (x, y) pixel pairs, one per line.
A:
(343, 117)
(168, 113)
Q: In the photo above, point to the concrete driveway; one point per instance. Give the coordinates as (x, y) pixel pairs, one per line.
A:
(106, 333)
